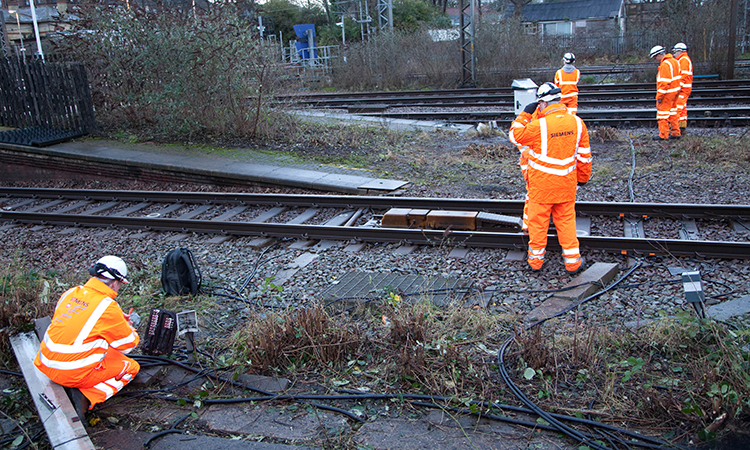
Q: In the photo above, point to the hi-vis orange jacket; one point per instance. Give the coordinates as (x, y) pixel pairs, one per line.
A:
(668, 79)
(556, 148)
(568, 83)
(686, 72)
(86, 323)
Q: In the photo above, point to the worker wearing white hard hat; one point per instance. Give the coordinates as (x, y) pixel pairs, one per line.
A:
(84, 347)
(555, 159)
(567, 78)
(667, 90)
(686, 83)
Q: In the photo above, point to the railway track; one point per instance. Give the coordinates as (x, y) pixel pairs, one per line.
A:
(467, 96)
(359, 218)
(711, 104)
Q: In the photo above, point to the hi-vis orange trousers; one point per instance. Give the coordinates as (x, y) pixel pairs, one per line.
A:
(667, 116)
(108, 378)
(564, 217)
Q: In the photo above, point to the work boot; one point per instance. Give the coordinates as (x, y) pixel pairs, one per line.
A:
(578, 269)
(658, 138)
(79, 401)
(675, 137)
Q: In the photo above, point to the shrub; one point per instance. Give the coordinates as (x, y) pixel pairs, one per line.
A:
(177, 74)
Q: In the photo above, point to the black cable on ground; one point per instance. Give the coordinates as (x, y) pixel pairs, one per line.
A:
(172, 430)
(575, 434)
(8, 372)
(269, 395)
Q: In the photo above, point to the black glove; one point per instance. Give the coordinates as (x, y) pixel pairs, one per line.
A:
(531, 107)
(581, 183)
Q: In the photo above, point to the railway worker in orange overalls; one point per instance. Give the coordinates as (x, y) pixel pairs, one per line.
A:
(85, 343)
(686, 83)
(533, 112)
(667, 90)
(566, 78)
(558, 157)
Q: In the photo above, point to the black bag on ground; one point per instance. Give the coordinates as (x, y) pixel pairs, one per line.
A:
(180, 274)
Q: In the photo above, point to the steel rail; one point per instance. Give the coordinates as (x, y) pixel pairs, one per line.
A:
(698, 86)
(699, 116)
(678, 210)
(591, 98)
(484, 239)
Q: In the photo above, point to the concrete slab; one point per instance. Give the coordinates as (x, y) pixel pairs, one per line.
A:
(220, 239)
(301, 261)
(515, 255)
(439, 431)
(379, 184)
(127, 440)
(549, 308)
(599, 272)
(324, 245)
(355, 247)
(291, 422)
(459, 253)
(405, 250)
(729, 309)
(167, 160)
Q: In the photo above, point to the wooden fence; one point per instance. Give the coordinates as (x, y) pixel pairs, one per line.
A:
(47, 95)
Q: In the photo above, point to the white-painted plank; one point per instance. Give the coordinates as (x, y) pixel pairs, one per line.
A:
(64, 428)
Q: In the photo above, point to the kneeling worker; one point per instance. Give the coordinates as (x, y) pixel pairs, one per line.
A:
(85, 343)
(556, 149)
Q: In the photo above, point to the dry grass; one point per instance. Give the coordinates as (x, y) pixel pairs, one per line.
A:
(605, 134)
(24, 295)
(682, 371)
(296, 338)
(714, 149)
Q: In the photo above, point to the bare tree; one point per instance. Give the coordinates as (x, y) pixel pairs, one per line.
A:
(518, 7)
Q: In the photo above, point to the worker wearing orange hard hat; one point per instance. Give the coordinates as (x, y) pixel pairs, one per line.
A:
(557, 158)
(85, 344)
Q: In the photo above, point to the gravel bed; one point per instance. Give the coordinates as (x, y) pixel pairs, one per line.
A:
(650, 291)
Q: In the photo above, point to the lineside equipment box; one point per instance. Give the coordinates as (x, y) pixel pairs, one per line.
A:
(405, 218)
(425, 218)
(457, 220)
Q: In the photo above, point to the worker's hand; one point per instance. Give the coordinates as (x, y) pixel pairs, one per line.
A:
(531, 107)
(658, 102)
(132, 318)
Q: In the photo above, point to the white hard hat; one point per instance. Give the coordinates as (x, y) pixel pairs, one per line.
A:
(569, 58)
(657, 49)
(111, 267)
(548, 92)
(679, 47)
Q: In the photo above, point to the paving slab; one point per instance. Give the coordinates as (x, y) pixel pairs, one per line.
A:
(440, 431)
(729, 309)
(264, 169)
(598, 273)
(127, 440)
(290, 422)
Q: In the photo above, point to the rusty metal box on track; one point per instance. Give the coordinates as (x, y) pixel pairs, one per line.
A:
(456, 220)
(405, 218)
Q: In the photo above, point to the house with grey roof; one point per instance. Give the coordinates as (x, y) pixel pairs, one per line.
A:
(574, 18)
